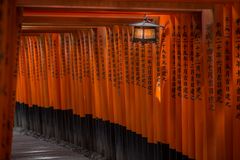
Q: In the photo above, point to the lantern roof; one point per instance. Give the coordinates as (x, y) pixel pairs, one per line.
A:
(145, 23)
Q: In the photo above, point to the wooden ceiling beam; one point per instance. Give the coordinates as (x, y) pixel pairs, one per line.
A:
(76, 21)
(28, 30)
(33, 16)
(70, 14)
(96, 14)
(84, 14)
(117, 5)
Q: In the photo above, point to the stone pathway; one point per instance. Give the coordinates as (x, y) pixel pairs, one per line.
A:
(29, 148)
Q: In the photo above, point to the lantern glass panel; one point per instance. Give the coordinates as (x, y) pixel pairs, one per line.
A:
(138, 33)
(149, 33)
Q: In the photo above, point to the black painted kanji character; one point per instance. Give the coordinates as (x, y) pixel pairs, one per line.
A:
(238, 106)
(238, 46)
(226, 19)
(218, 24)
(238, 21)
(227, 29)
(237, 31)
(238, 116)
(218, 33)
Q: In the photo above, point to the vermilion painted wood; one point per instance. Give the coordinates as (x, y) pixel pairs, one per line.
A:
(107, 3)
(8, 74)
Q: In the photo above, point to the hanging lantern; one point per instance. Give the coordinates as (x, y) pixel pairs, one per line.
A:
(145, 31)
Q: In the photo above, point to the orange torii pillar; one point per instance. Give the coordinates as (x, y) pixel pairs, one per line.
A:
(8, 74)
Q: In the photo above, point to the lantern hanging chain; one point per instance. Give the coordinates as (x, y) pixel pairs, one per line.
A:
(146, 19)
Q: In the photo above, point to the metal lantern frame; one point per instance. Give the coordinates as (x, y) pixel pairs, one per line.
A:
(146, 24)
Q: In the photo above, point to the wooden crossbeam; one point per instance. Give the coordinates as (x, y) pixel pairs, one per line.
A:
(132, 5)
(70, 13)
